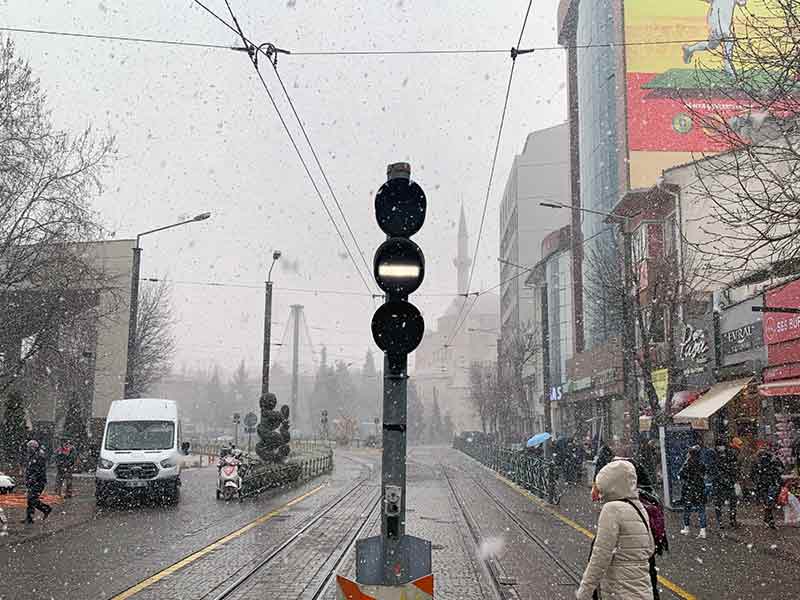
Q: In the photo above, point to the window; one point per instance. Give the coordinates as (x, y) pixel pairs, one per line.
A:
(670, 235)
(140, 435)
(639, 243)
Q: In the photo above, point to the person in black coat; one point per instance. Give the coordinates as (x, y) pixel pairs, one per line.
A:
(604, 456)
(724, 475)
(766, 476)
(36, 481)
(693, 490)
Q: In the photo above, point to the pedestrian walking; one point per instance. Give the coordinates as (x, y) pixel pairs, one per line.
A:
(66, 457)
(604, 456)
(693, 491)
(724, 477)
(622, 553)
(648, 458)
(36, 481)
(766, 476)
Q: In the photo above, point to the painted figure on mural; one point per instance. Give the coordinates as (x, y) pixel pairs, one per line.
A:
(720, 32)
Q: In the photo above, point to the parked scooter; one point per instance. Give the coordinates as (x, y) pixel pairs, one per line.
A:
(229, 482)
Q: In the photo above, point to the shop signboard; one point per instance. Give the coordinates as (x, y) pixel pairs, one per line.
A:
(696, 350)
(742, 333)
(782, 330)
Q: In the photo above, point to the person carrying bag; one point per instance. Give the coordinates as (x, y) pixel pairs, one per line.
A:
(622, 559)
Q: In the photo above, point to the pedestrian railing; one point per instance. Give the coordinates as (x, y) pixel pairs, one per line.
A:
(537, 475)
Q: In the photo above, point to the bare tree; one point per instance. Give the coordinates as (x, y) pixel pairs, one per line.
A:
(47, 178)
(658, 308)
(482, 388)
(154, 347)
(750, 108)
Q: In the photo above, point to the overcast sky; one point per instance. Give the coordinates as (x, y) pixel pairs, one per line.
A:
(195, 132)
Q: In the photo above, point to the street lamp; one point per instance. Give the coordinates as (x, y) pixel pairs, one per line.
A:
(134, 305)
(276, 254)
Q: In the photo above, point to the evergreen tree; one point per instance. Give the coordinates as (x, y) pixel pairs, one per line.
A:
(240, 391)
(370, 401)
(415, 416)
(437, 426)
(447, 429)
(14, 431)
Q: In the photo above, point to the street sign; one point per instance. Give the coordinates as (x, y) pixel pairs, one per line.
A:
(236, 418)
(250, 420)
(421, 589)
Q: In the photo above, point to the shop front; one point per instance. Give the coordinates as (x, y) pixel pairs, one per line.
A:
(781, 379)
(595, 392)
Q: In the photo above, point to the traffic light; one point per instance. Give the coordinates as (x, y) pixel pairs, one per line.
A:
(395, 558)
(399, 265)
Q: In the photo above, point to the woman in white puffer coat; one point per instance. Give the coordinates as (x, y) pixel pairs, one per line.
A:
(619, 565)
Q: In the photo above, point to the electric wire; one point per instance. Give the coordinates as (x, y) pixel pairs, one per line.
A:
(334, 53)
(248, 44)
(320, 167)
(460, 323)
(260, 287)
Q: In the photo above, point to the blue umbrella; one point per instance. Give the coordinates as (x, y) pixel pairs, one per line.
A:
(538, 439)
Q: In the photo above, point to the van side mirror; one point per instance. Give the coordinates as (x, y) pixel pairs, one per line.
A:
(185, 446)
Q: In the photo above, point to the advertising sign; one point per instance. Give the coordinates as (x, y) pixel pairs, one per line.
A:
(742, 339)
(661, 382)
(782, 330)
(674, 65)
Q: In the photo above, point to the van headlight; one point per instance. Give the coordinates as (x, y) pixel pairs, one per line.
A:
(105, 464)
(168, 463)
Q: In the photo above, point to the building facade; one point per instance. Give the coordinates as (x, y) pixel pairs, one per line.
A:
(443, 359)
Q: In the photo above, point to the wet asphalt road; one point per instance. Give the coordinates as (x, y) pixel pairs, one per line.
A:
(119, 547)
(106, 555)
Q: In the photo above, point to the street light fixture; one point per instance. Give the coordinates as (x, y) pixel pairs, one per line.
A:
(134, 303)
(276, 254)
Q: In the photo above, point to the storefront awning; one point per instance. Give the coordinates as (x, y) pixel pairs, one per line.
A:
(697, 413)
(787, 387)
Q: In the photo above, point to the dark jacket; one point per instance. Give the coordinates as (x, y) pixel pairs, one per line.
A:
(725, 472)
(66, 457)
(36, 471)
(604, 456)
(692, 475)
(766, 475)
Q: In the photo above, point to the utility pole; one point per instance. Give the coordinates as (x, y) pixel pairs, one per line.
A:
(267, 325)
(297, 312)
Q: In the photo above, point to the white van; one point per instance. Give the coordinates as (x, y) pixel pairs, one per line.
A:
(141, 450)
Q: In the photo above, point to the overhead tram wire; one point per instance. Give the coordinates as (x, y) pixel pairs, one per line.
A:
(319, 166)
(335, 53)
(248, 44)
(260, 287)
(514, 53)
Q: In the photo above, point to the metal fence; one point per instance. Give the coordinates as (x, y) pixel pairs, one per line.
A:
(537, 475)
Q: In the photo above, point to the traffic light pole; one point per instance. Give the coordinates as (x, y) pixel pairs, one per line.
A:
(395, 559)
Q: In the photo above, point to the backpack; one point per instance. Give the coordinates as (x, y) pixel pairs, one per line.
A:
(658, 526)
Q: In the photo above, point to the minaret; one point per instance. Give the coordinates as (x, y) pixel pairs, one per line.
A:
(463, 261)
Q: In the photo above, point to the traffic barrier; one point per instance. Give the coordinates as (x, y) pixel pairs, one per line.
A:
(537, 475)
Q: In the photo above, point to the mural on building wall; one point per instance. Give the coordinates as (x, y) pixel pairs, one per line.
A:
(678, 53)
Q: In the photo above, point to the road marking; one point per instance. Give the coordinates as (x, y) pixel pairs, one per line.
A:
(211, 547)
(673, 587)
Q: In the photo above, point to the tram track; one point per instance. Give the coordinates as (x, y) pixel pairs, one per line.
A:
(504, 585)
(250, 573)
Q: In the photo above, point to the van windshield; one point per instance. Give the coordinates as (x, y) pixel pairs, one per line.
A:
(140, 435)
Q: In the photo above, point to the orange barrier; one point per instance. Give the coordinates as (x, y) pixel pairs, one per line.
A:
(19, 500)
